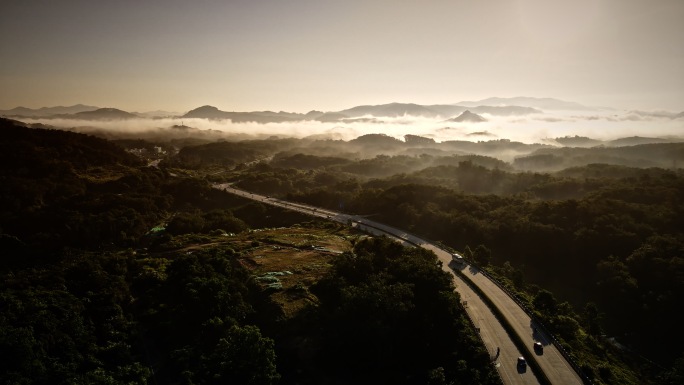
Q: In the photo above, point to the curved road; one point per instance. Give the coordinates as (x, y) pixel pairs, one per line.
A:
(494, 336)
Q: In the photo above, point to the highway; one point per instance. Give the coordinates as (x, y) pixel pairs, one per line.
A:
(553, 364)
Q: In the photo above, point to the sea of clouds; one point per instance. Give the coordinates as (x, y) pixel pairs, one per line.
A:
(535, 128)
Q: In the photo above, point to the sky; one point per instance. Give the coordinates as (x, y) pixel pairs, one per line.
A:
(301, 55)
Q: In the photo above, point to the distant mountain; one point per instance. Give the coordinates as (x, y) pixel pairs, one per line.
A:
(46, 111)
(449, 110)
(157, 114)
(206, 112)
(389, 110)
(432, 111)
(313, 114)
(332, 117)
(357, 114)
(446, 110)
(78, 111)
(542, 103)
(578, 141)
(211, 112)
(324, 116)
(658, 114)
(505, 110)
(102, 114)
(350, 115)
(468, 116)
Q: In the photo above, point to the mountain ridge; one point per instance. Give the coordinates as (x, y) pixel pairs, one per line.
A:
(467, 116)
(45, 111)
(496, 106)
(529, 101)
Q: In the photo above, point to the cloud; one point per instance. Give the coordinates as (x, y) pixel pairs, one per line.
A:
(532, 129)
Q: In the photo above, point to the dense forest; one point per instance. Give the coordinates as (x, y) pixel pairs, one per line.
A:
(121, 263)
(114, 271)
(603, 235)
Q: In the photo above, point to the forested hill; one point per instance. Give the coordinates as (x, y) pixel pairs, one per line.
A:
(61, 189)
(603, 237)
(27, 148)
(510, 155)
(665, 155)
(113, 272)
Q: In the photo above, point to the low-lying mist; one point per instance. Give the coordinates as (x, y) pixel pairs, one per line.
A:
(535, 128)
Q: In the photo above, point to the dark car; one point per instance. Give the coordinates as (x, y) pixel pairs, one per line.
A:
(522, 362)
(538, 347)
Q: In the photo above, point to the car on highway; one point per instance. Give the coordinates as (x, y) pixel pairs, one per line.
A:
(538, 347)
(457, 261)
(522, 362)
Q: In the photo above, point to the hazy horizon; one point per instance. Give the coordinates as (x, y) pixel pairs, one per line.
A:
(314, 108)
(302, 55)
(533, 128)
